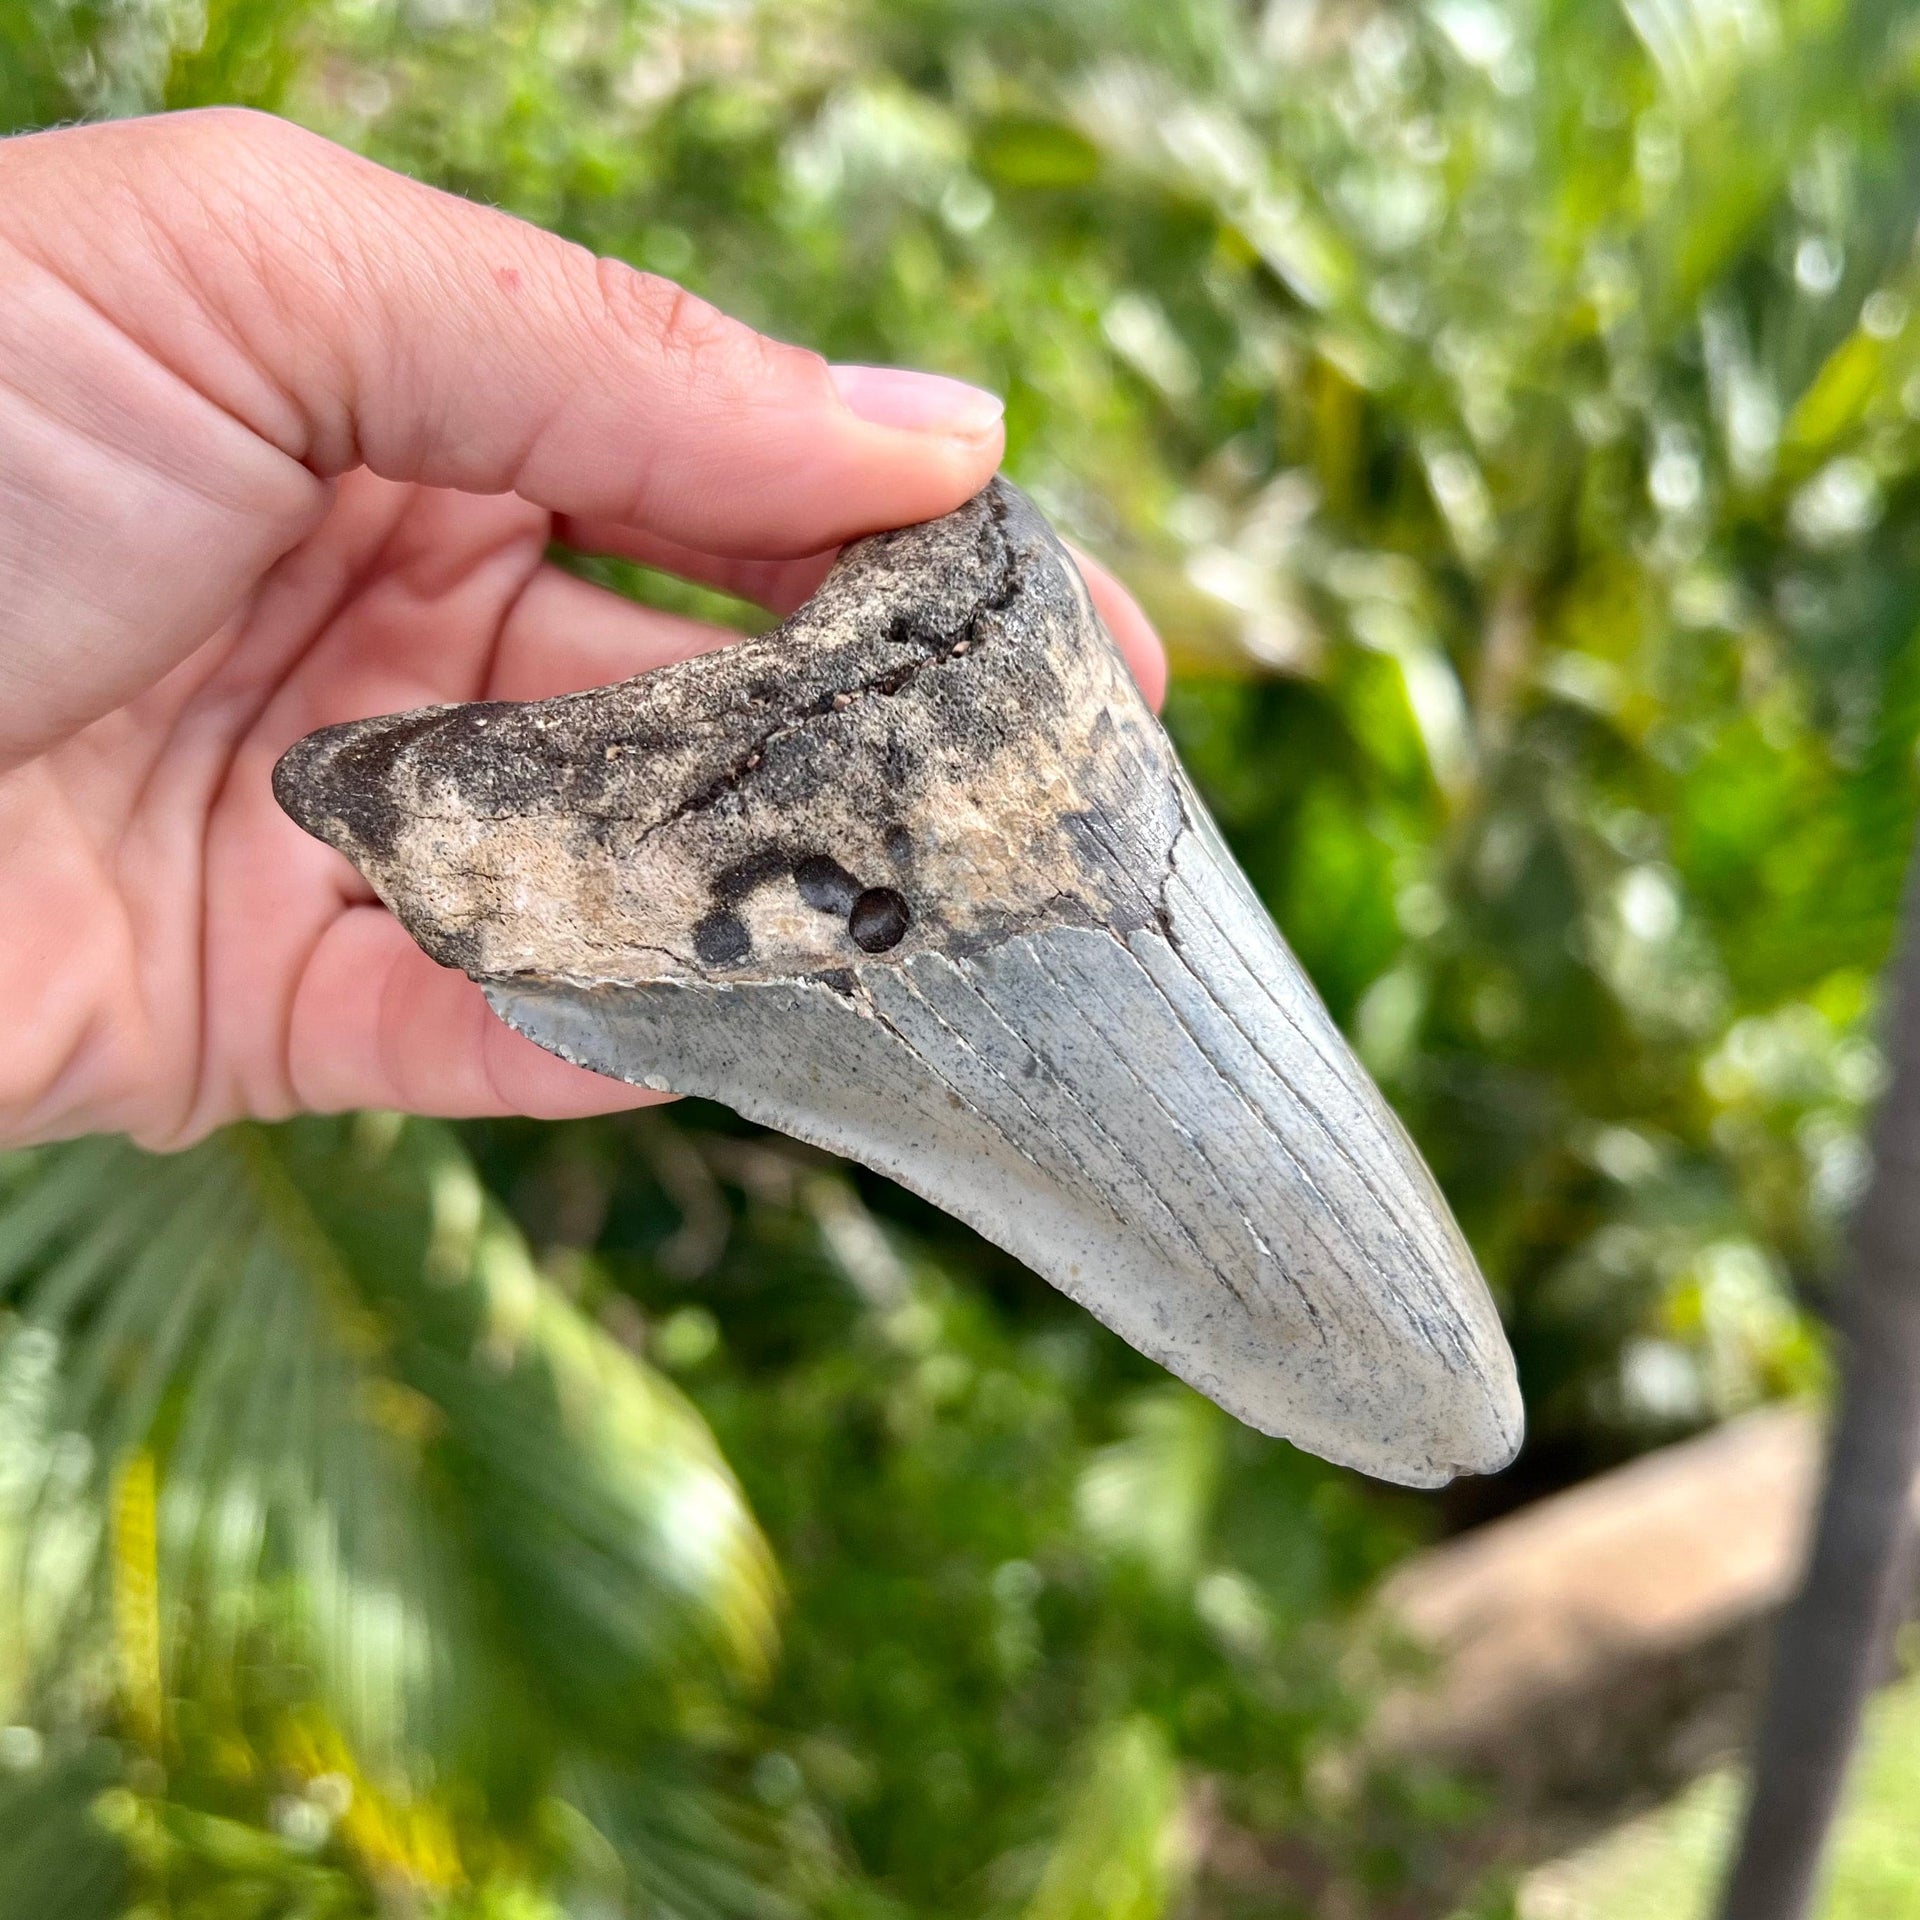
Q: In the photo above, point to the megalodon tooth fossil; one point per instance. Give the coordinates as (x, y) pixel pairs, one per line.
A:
(917, 877)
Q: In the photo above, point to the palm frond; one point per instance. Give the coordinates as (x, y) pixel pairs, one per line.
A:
(613, 1538)
(384, 1448)
(184, 1324)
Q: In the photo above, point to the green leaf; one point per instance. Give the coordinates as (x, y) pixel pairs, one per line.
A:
(58, 1861)
(1034, 153)
(1149, 1496)
(1118, 1854)
(648, 1840)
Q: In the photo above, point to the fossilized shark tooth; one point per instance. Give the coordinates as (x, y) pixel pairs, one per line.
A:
(917, 877)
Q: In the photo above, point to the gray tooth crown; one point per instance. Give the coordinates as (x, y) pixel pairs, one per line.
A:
(917, 878)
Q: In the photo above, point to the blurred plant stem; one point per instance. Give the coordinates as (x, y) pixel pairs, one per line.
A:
(1833, 1642)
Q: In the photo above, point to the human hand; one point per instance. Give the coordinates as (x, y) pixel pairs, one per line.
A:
(284, 439)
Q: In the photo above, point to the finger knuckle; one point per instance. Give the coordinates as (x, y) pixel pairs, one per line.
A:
(249, 132)
(678, 329)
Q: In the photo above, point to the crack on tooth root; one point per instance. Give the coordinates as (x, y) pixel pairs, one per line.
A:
(938, 649)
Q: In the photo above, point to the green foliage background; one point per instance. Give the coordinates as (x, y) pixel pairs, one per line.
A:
(1507, 407)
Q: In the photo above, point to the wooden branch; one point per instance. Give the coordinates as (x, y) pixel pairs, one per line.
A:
(1833, 1640)
(917, 878)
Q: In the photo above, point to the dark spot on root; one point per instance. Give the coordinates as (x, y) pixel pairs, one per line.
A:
(898, 843)
(879, 920)
(721, 939)
(825, 885)
(738, 882)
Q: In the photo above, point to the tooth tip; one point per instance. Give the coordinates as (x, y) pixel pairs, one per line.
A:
(1490, 1425)
(1480, 1419)
(1416, 1408)
(1498, 1444)
(1473, 1424)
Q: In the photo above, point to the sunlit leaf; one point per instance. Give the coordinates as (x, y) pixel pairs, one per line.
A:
(1149, 1495)
(1118, 1855)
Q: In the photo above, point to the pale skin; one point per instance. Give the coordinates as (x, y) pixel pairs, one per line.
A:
(284, 440)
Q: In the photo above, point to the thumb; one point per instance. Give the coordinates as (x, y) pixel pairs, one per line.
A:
(383, 323)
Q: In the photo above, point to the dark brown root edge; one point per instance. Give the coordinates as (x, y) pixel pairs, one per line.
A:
(1832, 1643)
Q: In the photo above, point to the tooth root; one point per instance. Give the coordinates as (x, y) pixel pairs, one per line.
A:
(917, 879)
